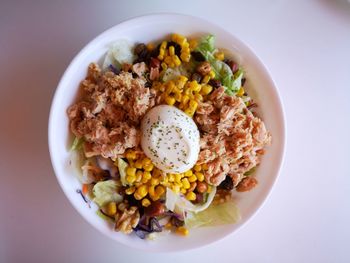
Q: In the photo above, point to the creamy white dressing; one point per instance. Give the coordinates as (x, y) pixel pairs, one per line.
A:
(170, 139)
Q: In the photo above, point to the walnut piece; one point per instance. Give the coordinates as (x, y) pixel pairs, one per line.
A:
(126, 218)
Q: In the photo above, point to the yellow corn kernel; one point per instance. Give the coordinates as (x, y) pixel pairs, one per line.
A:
(130, 179)
(206, 79)
(193, 105)
(191, 196)
(178, 97)
(192, 178)
(146, 161)
(130, 190)
(197, 88)
(212, 74)
(183, 231)
(171, 178)
(206, 89)
(163, 45)
(183, 78)
(171, 51)
(198, 97)
(176, 60)
(185, 183)
(161, 55)
(147, 175)
(197, 168)
(160, 190)
(182, 41)
(177, 178)
(164, 66)
(219, 55)
(111, 208)
(170, 87)
(185, 99)
(188, 173)
(131, 171)
(185, 56)
(168, 60)
(175, 188)
(209, 189)
(189, 112)
(168, 225)
(183, 191)
(177, 37)
(170, 100)
(145, 202)
(138, 184)
(131, 155)
(200, 176)
(148, 167)
(240, 92)
(155, 181)
(191, 85)
(151, 190)
(164, 180)
(141, 191)
(138, 164)
(150, 46)
(156, 173)
(139, 176)
(204, 167)
(193, 43)
(155, 197)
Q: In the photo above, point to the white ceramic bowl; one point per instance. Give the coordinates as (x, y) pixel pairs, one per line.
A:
(151, 28)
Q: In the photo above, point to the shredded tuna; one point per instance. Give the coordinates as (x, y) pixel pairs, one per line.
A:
(108, 117)
(232, 138)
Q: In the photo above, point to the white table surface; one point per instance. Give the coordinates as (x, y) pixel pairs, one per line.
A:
(305, 45)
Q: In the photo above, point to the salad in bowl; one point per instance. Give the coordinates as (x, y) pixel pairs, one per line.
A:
(165, 132)
(165, 137)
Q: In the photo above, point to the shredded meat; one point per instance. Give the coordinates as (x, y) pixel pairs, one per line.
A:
(232, 138)
(109, 115)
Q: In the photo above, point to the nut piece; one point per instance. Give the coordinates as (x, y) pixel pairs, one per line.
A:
(246, 184)
(126, 218)
(203, 68)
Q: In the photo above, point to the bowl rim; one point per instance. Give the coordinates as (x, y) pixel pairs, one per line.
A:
(266, 72)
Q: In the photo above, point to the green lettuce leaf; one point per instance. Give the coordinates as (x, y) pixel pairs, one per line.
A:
(122, 165)
(77, 143)
(206, 45)
(214, 215)
(178, 203)
(232, 82)
(105, 192)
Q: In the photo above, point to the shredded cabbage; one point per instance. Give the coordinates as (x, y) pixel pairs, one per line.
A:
(105, 192)
(122, 170)
(77, 143)
(214, 215)
(179, 204)
(119, 53)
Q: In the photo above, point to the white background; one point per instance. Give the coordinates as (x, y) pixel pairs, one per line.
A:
(305, 45)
